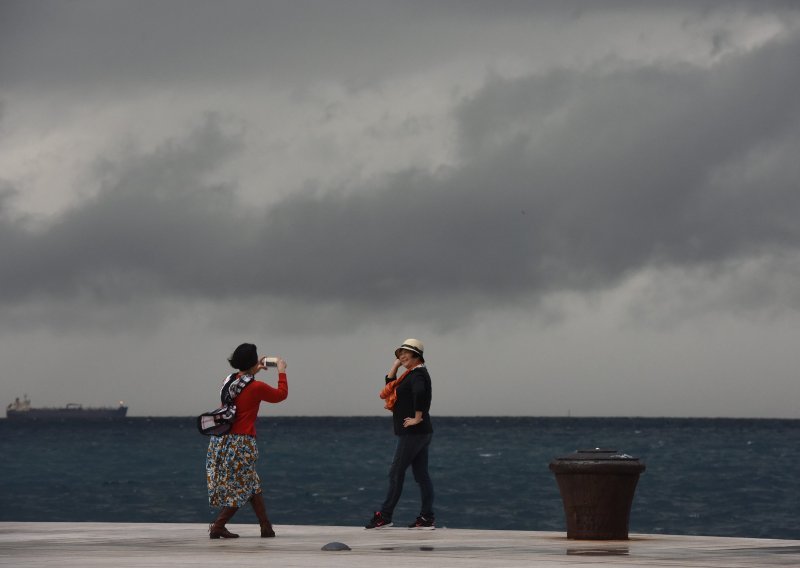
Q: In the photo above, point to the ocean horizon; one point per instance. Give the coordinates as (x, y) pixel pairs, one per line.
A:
(714, 476)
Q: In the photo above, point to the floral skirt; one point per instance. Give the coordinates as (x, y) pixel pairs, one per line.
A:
(231, 470)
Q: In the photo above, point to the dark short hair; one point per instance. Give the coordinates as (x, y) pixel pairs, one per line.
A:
(244, 357)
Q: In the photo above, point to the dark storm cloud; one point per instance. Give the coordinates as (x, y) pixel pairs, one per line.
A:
(566, 182)
(153, 225)
(569, 182)
(133, 45)
(620, 169)
(96, 47)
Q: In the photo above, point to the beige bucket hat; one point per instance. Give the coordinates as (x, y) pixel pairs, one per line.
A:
(413, 345)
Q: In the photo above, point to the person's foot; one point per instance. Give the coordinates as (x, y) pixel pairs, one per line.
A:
(423, 523)
(378, 521)
(216, 531)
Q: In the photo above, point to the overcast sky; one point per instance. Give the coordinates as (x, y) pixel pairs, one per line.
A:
(585, 208)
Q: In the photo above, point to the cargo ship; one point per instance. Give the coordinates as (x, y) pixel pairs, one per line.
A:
(22, 410)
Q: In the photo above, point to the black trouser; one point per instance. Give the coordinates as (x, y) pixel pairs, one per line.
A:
(412, 449)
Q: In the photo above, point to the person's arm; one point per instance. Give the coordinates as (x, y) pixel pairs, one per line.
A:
(268, 393)
(422, 396)
(422, 401)
(413, 421)
(392, 374)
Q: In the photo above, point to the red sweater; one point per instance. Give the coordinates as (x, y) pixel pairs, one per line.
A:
(249, 400)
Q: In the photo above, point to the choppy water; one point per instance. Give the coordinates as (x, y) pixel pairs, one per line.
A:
(718, 477)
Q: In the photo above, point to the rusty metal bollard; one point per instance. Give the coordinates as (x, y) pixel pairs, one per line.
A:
(597, 488)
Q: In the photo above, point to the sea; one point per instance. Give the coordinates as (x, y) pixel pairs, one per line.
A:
(713, 477)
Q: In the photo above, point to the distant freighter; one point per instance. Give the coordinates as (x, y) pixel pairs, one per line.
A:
(22, 410)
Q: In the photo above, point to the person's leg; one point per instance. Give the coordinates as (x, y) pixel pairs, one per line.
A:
(419, 466)
(217, 528)
(217, 474)
(397, 474)
(232, 478)
(407, 449)
(257, 501)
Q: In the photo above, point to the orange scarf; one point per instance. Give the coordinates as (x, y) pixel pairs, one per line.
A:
(388, 392)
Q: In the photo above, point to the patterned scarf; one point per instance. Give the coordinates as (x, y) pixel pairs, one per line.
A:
(233, 386)
(388, 392)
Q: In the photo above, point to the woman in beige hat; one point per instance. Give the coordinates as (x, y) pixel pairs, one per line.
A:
(408, 397)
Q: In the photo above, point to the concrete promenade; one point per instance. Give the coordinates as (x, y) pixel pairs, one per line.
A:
(120, 545)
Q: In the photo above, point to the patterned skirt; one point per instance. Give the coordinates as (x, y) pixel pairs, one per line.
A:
(231, 470)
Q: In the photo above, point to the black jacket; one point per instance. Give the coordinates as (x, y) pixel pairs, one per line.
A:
(413, 393)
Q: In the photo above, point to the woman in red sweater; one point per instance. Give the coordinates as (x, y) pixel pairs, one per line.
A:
(231, 458)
